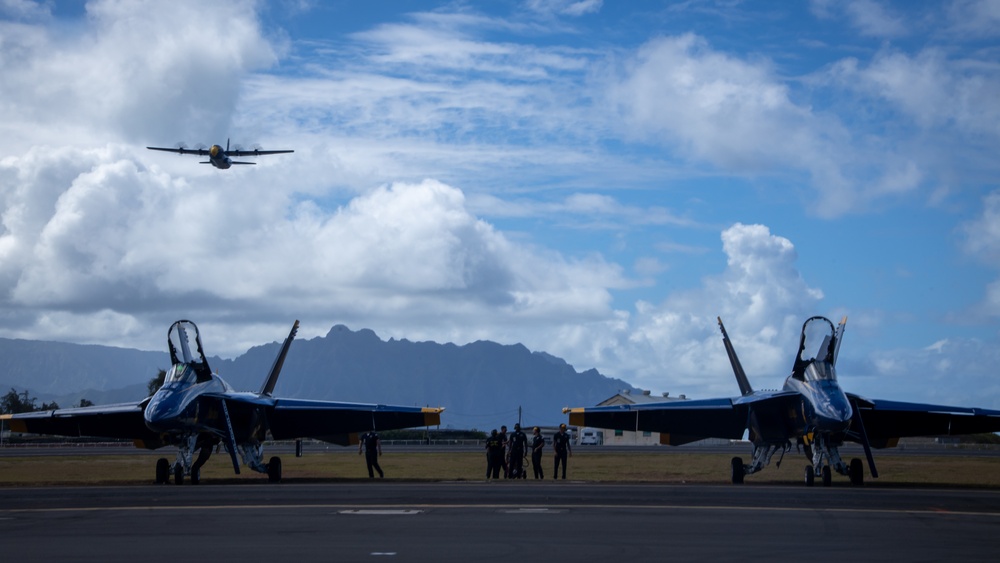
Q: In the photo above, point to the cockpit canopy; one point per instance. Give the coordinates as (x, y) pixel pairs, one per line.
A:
(184, 343)
(820, 371)
(181, 373)
(818, 334)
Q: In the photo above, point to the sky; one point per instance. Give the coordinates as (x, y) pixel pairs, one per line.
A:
(596, 180)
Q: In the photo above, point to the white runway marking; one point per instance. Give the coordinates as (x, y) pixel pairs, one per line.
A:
(380, 511)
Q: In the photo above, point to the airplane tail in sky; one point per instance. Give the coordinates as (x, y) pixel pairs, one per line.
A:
(272, 377)
(741, 376)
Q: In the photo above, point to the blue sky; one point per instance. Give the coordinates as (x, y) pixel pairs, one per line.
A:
(598, 180)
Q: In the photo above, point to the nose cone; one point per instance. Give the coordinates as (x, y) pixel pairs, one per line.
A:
(165, 411)
(833, 411)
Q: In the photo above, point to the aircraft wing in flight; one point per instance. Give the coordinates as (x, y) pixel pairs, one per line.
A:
(255, 153)
(198, 152)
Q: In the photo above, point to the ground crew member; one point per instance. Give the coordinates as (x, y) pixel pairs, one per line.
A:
(560, 443)
(518, 442)
(503, 458)
(537, 445)
(494, 455)
(373, 448)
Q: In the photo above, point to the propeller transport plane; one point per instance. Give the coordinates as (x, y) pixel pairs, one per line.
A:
(218, 157)
(811, 408)
(196, 410)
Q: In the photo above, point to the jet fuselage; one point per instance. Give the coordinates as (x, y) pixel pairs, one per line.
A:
(175, 406)
(825, 407)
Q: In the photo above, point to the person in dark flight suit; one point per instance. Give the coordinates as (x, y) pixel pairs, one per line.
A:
(537, 445)
(560, 443)
(373, 448)
(503, 458)
(517, 443)
(494, 455)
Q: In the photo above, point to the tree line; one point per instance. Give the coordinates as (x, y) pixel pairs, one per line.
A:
(14, 403)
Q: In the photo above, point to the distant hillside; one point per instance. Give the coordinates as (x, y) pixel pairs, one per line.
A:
(51, 369)
(481, 384)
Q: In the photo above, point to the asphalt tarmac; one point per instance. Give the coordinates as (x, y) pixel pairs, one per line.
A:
(498, 521)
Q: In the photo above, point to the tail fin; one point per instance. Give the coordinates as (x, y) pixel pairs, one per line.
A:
(272, 377)
(741, 376)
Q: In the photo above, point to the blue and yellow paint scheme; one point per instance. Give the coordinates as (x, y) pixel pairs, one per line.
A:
(196, 409)
(810, 409)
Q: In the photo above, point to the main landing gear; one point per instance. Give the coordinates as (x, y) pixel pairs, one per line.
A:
(762, 454)
(274, 470)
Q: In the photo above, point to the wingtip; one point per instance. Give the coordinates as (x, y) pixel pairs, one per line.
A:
(576, 416)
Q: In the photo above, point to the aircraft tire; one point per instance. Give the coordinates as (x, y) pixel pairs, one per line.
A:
(738, 471)
(178, 474)
(810, 475)
(195, 475)
(162, 471)
(827, 476)
(857, 472)
(274, 470)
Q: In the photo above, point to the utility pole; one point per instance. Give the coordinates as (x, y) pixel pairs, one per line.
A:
(518, 415)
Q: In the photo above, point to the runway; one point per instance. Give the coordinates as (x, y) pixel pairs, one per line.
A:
(499, 521)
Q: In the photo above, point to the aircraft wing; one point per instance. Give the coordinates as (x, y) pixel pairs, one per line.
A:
(340, 423)
(678, 422)
(123, 420)
(886, 421)
(255, 153)
(197, 152)
(681, 422)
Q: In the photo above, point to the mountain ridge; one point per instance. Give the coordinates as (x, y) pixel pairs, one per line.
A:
(481, 384)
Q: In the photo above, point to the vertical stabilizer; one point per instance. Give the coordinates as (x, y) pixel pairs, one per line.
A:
(272, 377)
(741, 376)
(839, 335)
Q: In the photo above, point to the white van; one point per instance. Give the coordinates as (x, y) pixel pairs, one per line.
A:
(590, 437)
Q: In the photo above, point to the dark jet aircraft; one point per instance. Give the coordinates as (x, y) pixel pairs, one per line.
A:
(196, 410)
(218, 157)
(811, 409)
